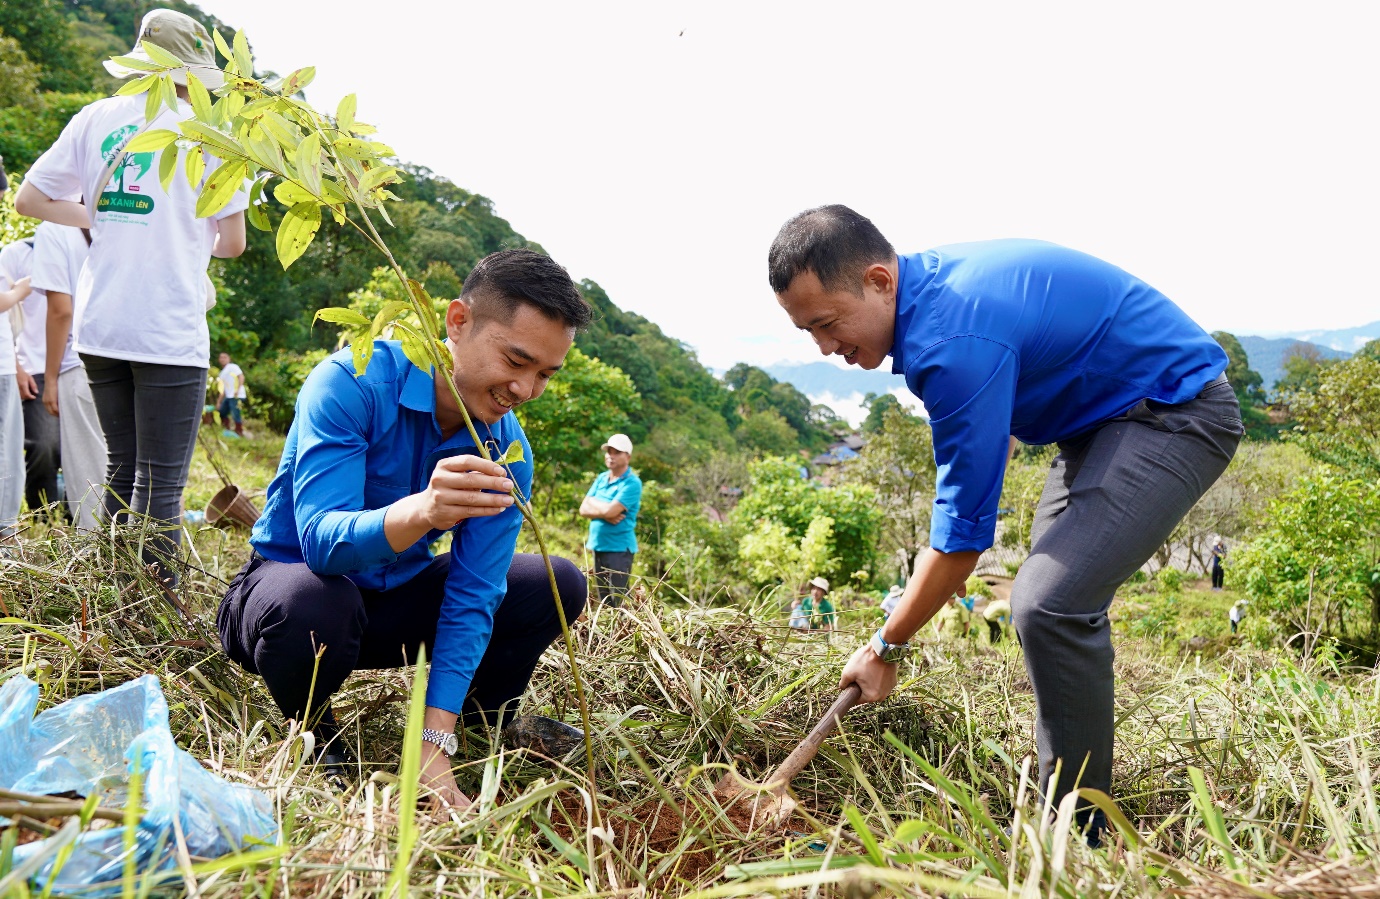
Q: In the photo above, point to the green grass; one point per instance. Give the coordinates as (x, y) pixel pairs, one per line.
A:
(1238, 772)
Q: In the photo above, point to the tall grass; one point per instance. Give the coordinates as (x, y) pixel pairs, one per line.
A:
(1242, 775)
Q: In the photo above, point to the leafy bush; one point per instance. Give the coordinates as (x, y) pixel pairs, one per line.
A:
(274, 382)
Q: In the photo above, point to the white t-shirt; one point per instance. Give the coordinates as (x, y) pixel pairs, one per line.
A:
(144, 299)
(59, 254)
(230, 382)
(16, 263)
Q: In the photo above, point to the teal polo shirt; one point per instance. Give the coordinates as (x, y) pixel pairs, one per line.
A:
(621, 537)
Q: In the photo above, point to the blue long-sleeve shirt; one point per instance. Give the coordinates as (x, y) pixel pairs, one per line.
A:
(360, 444)
(1034, 340)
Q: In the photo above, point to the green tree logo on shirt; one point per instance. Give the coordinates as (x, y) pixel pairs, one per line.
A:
(122, 193)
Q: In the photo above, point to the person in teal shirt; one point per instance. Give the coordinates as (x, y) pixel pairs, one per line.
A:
(817, 608)
(611, 506)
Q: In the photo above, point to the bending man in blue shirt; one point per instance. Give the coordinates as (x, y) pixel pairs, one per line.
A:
(376, 467)
(1025, 338)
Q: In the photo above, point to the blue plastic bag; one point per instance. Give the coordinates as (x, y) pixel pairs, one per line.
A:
(91, 744)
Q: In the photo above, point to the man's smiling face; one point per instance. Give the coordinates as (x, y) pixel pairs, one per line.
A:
(859, 326)
(500, 365)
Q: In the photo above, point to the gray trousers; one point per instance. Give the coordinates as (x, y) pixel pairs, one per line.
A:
(11, 455)
(611, 571)
(1113, 496)
(83, 448)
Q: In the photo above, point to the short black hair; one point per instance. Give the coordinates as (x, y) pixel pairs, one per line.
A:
(834, 242)
(502, 281)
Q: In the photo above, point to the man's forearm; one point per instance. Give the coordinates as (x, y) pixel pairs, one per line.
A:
(937, 577)
(59, 326)
(405, 522)
(34, 203)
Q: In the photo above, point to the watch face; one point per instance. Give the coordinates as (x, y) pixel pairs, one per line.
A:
(452, 744)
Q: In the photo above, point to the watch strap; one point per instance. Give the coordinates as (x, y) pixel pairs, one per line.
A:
(447, 743)
(888, 652)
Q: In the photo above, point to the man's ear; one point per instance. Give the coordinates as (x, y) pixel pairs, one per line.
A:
(458, 315)
(878, 277)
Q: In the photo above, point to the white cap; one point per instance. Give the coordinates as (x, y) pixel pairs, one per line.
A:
(619, 442)
(896, 590)
(821, 583)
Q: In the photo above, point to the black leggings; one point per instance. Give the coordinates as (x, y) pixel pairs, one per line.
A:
(276, 615)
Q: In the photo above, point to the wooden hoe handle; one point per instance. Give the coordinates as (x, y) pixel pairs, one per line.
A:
(802, 754)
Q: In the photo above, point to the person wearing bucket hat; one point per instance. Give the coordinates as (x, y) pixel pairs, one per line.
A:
(140, 308)
(817, 608)
(611, 505)
(1025, 338)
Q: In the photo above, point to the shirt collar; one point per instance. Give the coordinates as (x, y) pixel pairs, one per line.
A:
(419, 389)
(912, 277)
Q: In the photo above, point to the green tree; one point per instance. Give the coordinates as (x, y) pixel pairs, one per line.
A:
(44, 31)
(1026, 473)
(1249, 387)
(878, 405)
(18, 75)
(1302, 368)
(581, 407)
(767, 433)
(1339, 419)
(778, 492)
(897, 465)
(772, 554)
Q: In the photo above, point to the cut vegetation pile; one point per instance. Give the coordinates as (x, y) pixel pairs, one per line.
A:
(1238, 775)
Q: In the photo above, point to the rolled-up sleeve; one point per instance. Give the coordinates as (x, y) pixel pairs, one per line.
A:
(968, 385)
(338, 535)
(481, 554)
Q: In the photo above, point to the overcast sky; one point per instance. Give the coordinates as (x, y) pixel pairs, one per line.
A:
(1224, 152)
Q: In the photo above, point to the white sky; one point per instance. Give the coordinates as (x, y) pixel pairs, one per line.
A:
(1224, 152)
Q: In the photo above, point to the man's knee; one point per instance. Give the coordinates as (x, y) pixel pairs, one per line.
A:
(573, 587)
(1052, 607)
(295, 607)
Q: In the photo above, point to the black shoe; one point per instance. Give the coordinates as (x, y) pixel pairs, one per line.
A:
(333, 758)
(546, 736)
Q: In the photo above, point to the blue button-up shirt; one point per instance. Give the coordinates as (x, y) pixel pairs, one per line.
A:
(1031, 339)
(604, 536)
(360, 444)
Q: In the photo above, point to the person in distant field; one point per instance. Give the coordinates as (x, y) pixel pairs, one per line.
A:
(232, 392)
(1028, 339)
(376, 467)
(1219, 552)
(140, 323)
(997, 614)
(817, 608)
(11, 411)
(611, 505)
(29, 321)
(1236, 613)
(798, 620)
(952, 616)
(60, 253)
(893, 596)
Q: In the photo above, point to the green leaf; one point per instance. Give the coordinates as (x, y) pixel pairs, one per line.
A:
(911, 829)
(221, 144)
(243, 60)
(339, 315)
(200, 98)
(345, 112)
(308, 160)
(280, 129)
(390, 313)
(290, 193)
(415, 350)
(512, 454)
(137, 86)
(874, 852)
(151, 141)
(299, 80)
(255, 212)
(153, 100)
(195, 167)
(354, 148)
(377, 176)
(234, 103)
(363, 351)
(296, 231)
(429, 320)
(221, 187)
(263, 149)
(222, 46)
(167, 167)
(168, 88)
(160, 56)
(256, 108)
(133, 62)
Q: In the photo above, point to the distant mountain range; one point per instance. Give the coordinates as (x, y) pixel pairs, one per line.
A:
(824, 382)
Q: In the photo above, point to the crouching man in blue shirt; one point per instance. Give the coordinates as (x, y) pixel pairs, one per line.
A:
(1025, 338)
(376, 467)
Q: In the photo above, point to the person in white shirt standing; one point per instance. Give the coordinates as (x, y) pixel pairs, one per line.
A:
(141, 304)
(232, 391)
(11, 413)
(59, 254)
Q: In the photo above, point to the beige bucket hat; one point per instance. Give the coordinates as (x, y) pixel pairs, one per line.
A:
(183, 37)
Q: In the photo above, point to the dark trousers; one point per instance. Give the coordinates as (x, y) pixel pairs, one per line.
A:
(611, 572)
(150, 414)
(1218, 576)
(42, 447)
(1113, 496)
(276, 616)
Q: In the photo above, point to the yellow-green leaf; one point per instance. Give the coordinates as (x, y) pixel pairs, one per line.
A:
(338, 315)
(200, 98)
(290, 193)
(168, 87)
(151, 141)
(243, 60)
(221, 144)
(361, 128)
(363, 350)
(153, 100)
(354, 148)
(299, 80)
(263, 149)
(296, 231)
(234, 103)
(220, 188)
(390, 313)
(160, 56)
(512, 454)
(195, 167)
(415, 350)
(332, 193)
(133, 62)
(345, 112)
(222, 46)
(255, 213)
(167, 166)
(137, 86)
(281, 130)
(430, 322)
(308, 160)
(377, 176)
